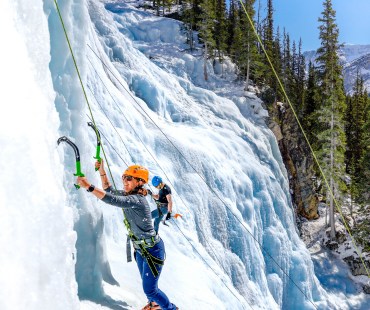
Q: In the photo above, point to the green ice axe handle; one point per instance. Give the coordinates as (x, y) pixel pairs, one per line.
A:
(98, 142)
(97, 156)
(78, 170)
(77, 156)
(78, 173)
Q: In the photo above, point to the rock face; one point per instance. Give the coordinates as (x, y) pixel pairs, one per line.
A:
(366, 289)
(299, 163)
(358, 269)
(356, 265)
(297, 159)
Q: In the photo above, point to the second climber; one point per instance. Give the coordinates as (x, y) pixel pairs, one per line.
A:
(163, 201)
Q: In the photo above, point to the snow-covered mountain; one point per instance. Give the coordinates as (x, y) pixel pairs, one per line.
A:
(355, 58)
(236, 246)
(360, 65)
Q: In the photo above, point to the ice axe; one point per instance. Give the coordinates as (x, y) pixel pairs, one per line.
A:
(98, 142)
(77, 156)
(176, 216)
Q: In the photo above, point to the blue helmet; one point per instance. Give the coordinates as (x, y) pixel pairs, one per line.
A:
(156, 180)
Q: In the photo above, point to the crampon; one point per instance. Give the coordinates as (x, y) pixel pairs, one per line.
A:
(152, 306)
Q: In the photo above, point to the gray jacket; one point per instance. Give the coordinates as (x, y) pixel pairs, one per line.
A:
(136, 210)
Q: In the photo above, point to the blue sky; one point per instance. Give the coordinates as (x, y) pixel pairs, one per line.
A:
(299, 17)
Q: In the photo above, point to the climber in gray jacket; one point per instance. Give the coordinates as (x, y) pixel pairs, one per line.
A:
(149, 247)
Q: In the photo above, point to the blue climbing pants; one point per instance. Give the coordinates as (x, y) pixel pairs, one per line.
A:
(158, 215)
(150, 283)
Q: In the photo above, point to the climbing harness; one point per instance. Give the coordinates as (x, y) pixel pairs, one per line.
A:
(142, 245)
(77, 156)
(159, 206)
(160, 213)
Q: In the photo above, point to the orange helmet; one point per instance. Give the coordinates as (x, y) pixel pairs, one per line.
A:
(138, 172)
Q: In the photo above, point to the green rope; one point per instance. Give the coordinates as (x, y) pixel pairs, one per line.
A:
(132, 236)
(82, 85)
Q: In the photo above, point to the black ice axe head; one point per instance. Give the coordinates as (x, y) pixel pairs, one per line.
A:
(77, 156)
(98, 142)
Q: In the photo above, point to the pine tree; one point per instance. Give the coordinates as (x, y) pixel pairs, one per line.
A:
(277, 63)
(300, 80)
(365, 160)
(362, 231)
(206, 31)
(250, 61)
(231, 26)
(311, 103)
(236, 39)
(188, 18)
(268, 42)
(220, 30)
(330, 145)
(259, 27)
(297, 83)
(192, 11)
(355, 126)
(191, 16)
(287, 64)
(156, 5)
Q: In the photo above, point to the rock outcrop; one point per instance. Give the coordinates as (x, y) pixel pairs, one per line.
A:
(297, 158)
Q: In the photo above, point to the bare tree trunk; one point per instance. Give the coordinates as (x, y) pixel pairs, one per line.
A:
(191, 38)
(331, 211)
(248, 65)
(221, 60)
(332, 142)
(259, 25)
(205, 61)
(158, 3)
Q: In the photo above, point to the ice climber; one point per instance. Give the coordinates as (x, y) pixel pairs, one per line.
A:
(163, 200)
(149, 247)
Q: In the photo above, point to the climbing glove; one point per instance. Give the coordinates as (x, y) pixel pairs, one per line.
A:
(168, 216)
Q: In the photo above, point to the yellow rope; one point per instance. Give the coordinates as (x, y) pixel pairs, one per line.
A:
(305, 136)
